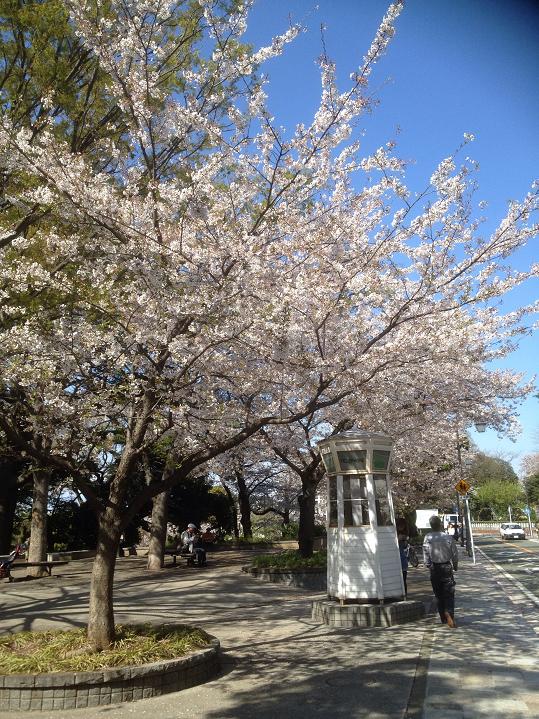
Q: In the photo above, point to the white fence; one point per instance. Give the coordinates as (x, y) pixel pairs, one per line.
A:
(495, 526)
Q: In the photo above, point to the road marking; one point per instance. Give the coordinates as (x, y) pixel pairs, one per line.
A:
(525, 549)
(530, 595)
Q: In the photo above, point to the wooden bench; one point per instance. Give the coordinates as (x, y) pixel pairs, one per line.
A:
(48, 565)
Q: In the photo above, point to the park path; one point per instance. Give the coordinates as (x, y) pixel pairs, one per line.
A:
(277, 662)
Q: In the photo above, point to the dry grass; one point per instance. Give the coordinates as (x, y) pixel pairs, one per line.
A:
(64, 651)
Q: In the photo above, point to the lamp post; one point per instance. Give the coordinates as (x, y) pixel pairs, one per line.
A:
(470, 549)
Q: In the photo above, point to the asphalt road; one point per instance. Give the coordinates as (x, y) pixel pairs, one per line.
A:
(518, 558)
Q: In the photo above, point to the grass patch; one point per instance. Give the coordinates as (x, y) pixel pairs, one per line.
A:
(61, 651)
(291, 559)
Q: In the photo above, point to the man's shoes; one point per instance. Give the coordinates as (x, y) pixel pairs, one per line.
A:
(450, 621)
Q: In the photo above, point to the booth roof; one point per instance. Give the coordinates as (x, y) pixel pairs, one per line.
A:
(357, 436)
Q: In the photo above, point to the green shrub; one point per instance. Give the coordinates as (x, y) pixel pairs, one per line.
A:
(291, 559)
(62, 651)
(228, 539)
(290, 531)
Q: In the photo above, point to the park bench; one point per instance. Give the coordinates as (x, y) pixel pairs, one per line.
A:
(48, 565)
(190, 557)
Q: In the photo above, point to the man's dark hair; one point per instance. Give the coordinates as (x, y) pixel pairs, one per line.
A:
(435, 523)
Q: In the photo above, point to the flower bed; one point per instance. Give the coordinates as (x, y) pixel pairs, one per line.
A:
(132, 675)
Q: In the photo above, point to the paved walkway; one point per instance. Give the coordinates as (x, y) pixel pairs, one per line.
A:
(277, 662)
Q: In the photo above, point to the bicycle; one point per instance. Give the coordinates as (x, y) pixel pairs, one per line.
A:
(411, 555)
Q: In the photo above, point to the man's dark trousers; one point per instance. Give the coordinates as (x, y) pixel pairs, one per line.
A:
(443, 585)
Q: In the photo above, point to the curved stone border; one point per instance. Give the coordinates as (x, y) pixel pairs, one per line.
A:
(306, 578)
(75, 690)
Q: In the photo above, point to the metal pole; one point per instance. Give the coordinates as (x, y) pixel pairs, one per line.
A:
(529, 522)
(459, 521)
(510, 517)
(470, 548)
(528, 511)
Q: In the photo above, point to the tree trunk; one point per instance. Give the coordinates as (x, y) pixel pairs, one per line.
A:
(101, 610)
(158, 536)
(233, 509)
(307, 503)
(8, 503)
(38, 527)
(244, 500)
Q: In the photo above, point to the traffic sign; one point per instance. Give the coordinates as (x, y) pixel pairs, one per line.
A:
(462, 486)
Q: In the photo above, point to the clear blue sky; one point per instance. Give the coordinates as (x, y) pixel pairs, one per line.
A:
(454, 66)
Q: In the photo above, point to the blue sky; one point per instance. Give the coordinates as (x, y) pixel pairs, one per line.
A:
(454, 66)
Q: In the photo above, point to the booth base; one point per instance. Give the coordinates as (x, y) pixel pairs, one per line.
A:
(335, 614)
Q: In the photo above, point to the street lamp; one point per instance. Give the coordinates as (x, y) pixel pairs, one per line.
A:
(470, 549)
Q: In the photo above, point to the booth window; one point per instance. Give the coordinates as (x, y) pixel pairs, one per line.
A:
(380, 460)
(383, 513)
(355, 502)
(352, 460)
(329, 463)
(332, 495)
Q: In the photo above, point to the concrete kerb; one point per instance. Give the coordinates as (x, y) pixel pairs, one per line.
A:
(70, 690)
(313, 578)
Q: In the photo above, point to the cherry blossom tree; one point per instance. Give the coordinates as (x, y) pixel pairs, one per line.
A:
(219, 275)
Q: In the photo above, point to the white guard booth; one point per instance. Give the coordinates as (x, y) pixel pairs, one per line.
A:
(363, 553)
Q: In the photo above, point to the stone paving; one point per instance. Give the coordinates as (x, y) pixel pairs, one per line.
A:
(278, 662)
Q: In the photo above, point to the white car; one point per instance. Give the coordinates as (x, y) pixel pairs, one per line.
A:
(512, 531)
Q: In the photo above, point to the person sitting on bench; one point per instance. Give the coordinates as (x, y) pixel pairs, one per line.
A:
(191, 543)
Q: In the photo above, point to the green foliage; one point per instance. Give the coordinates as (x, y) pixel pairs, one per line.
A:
(531, 485)
(230, 539)
(72, 525)
(290, 530)
(193, 499)
(63, 651)
(492, 499)
(43, 58)
(486, 469)
(291, 559)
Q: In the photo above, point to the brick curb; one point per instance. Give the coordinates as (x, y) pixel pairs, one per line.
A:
(74, 690)
(367, 615)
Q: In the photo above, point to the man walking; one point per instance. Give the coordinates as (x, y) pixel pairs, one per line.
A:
(441, 557)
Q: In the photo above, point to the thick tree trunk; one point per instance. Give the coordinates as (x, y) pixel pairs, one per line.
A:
(307, 504)
(158, 536)
(244, 501)
(101, 610)
(38, 527)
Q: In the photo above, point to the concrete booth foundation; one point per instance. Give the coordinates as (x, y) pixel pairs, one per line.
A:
(364, 576)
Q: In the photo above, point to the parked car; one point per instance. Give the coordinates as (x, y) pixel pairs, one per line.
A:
(512, 531)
